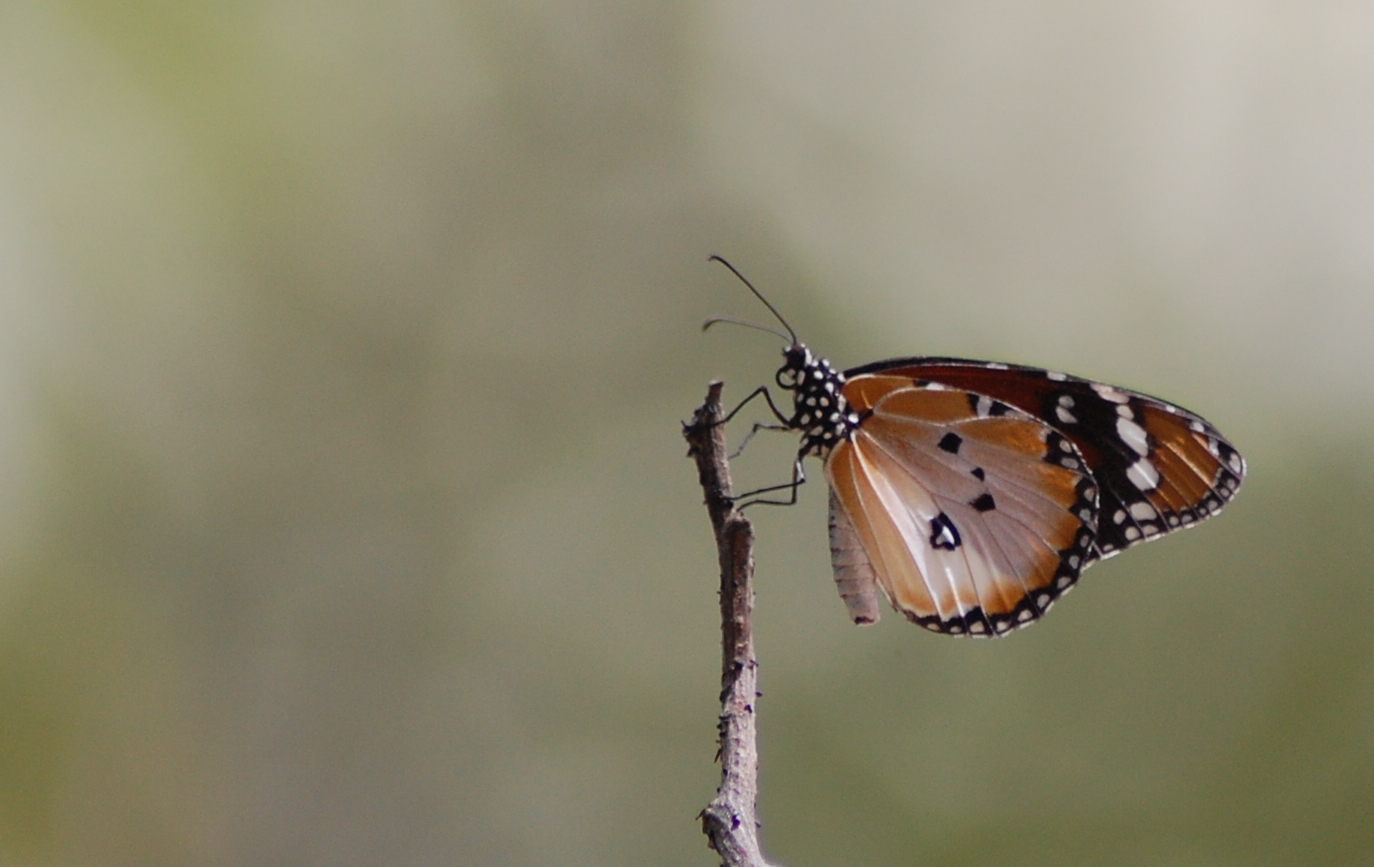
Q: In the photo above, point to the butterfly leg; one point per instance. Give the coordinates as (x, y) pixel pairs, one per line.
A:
(761, 390)
(758, 425)
(798, 479)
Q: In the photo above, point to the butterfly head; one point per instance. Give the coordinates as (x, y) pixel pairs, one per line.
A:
(820, 411)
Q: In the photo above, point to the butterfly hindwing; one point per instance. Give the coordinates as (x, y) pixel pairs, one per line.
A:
(975, 516)
(1159, 467)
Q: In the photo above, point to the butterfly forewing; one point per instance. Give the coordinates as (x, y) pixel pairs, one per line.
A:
(1159, 467)
(974, 515)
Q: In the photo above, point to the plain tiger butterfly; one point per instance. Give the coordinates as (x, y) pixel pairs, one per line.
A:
(973, 494)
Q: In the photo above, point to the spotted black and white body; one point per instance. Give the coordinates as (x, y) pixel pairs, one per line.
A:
(973, 494)
(822, 415)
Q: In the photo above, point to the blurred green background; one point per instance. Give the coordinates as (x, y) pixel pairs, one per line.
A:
(344, 514)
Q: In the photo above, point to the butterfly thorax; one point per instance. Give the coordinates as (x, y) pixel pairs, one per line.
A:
(821, 413)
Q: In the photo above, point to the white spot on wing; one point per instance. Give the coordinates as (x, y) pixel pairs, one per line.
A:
(1143, 475)
(1143, 511)
(1133, 435)
(1107, 392)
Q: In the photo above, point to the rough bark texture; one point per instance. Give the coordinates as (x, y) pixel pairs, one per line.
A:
(729, 820)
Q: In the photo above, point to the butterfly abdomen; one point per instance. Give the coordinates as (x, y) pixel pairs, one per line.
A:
(854, 575)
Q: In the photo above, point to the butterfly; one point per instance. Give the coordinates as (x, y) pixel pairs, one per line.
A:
(972, 494)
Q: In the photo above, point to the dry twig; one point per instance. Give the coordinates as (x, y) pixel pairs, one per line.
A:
(729, 820)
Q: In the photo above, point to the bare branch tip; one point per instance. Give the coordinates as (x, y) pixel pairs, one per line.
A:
(729, 820)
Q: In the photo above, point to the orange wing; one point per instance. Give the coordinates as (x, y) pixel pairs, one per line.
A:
(972, 516)
(1158, 466)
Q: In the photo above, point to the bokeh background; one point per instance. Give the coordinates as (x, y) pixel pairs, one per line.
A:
(344, 515)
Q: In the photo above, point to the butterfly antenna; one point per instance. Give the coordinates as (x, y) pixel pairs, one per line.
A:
(733, 321)
(758, 295)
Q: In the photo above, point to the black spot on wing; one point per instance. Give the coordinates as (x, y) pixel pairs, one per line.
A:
(984, 502)
(950, 442)
(943, 533)
(983, 406)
